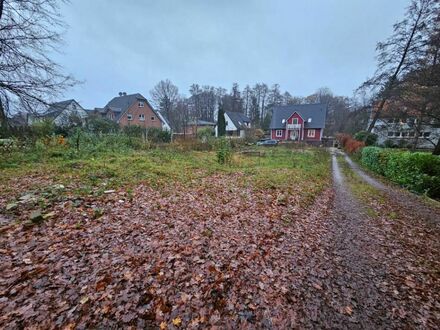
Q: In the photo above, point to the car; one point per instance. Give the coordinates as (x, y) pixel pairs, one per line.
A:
(267, 143)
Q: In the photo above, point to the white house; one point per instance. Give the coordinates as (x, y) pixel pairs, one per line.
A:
(236, 124)
(62, 113)
(403, 132)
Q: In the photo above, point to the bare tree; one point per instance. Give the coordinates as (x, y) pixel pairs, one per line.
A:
(399, 54)
(29, 78)
(165, 95)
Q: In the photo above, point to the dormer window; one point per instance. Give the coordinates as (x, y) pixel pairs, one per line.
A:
(309, 120)
(141, 104)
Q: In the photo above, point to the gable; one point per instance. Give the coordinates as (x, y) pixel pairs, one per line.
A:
(316, 112)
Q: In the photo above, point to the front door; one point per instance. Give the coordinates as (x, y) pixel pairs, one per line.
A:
(294, 135)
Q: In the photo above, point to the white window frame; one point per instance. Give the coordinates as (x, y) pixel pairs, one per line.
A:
(279, 133)
(311, 133)
(141, 104)
(295, 121)
(129, 116)
(142, 117)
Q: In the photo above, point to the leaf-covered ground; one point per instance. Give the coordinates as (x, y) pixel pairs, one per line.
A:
(263, 246)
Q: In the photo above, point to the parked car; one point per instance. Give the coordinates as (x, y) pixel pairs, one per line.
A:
(267, 143)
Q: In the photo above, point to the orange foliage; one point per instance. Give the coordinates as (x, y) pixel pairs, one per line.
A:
(348, 143)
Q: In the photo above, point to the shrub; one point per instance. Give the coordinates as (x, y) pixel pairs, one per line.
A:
(389, 144)
(418, 171)
(224, 151)
(101, 125)
(205, 133)
(158, 135)
(371, 138)
(43, 128)
(348, 143)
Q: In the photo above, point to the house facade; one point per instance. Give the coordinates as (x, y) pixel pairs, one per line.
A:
(401, 126)
(298, 122)
(62, 113)
(404, 132)
(132, 110)
(236, 124)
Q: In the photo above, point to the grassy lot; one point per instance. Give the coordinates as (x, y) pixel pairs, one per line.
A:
(301, 172)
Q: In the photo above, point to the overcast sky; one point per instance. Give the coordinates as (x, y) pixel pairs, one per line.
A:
(301, 44)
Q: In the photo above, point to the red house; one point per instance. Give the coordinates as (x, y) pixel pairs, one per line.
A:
(298, 122)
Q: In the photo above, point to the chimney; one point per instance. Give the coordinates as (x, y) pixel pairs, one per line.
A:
(124, 94)
(120, 93)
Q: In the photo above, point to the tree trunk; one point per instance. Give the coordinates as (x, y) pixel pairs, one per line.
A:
(436, 150)
(3, 117)
(393, 78)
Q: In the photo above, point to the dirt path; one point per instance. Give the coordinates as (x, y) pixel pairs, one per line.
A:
(383, 273)
(411, 203)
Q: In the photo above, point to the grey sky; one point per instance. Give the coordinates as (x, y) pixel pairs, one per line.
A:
(301, 44)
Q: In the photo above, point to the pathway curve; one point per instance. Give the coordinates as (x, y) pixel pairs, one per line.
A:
(384, 272)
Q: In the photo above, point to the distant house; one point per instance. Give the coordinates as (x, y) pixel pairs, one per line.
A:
(298, 122)
(133, 109)
(62, 113)
(196, 125)
(236, 124)
(402, 127)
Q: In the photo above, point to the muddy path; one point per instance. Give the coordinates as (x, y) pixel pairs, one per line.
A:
(382, 269)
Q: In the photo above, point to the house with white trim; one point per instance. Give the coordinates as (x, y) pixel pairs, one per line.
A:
(298, 122)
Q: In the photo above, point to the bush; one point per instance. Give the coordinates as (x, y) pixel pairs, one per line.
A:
(158, 135)
(418, 171)
(371, 138)
(100, 125)
(204, 134)
(349, 144)
(389, 144)
(43, 128)
(224, 151)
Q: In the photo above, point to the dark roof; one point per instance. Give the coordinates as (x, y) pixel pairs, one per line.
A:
(120, 104)
(202, 123)
(238, 118)
(56, 108)
(317, 112)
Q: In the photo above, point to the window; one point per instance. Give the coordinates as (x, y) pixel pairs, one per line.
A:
(396, 134)
(153, 118)
(279, 133)
(412, 134)
(404, 134)
(129, 117)
(295, 121)
(141, 104)
(426, 134)
(311, 133)
(390, 133)
(141, 117)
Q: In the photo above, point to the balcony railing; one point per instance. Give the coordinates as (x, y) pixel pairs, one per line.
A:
(293, 126)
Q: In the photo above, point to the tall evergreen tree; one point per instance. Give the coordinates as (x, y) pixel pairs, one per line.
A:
(221, 123)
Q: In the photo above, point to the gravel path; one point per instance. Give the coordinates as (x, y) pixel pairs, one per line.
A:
(381, 273)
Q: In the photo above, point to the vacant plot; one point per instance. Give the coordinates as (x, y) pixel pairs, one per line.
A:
(159, 238)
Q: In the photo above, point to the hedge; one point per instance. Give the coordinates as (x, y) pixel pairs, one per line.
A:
(417, 171)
